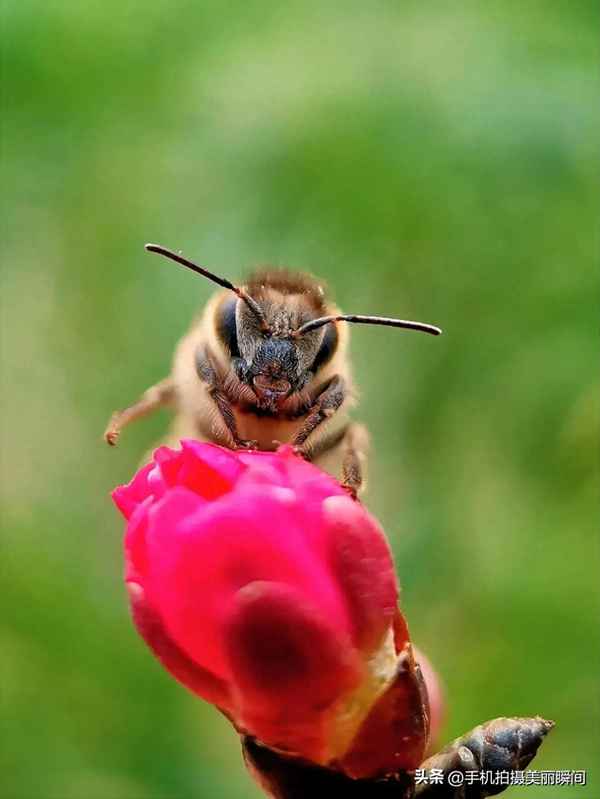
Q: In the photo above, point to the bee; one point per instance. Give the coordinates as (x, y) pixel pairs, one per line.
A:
(266, 363)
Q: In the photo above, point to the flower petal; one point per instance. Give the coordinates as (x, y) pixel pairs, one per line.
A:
(152, 630)
(136, 557)
(288, 663)
(128, 497)
(209, 470)
(207, 556)
(363, 569)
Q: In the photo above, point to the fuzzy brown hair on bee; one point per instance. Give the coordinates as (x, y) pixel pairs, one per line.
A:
(265, 364)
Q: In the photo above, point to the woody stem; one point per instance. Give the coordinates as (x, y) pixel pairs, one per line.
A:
(501, 746)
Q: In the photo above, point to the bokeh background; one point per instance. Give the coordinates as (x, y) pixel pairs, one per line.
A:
(431, 160)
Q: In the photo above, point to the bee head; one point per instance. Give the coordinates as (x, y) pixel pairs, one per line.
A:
(277, 329)
(271, 358)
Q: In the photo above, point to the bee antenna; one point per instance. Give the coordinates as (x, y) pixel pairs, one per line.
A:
(366, 320)
(220, 281)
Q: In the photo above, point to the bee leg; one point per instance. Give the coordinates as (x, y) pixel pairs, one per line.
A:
(354, 447)
(155, 397)
(208, 374)
(325, 405)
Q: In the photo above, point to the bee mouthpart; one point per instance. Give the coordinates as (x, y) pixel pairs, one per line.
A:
(267, 386)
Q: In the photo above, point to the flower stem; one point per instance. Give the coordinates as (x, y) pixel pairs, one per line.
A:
(501, 745)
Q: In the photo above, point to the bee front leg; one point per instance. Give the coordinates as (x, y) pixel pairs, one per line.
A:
(155, 397)
(208, 374)
(326, 404)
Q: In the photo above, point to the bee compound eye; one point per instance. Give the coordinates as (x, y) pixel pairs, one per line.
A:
(327, 348)
(226, 326)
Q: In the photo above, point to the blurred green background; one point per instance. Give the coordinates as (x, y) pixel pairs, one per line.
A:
(430, 160)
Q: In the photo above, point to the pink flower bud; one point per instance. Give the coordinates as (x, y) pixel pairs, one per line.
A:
(266, 590)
